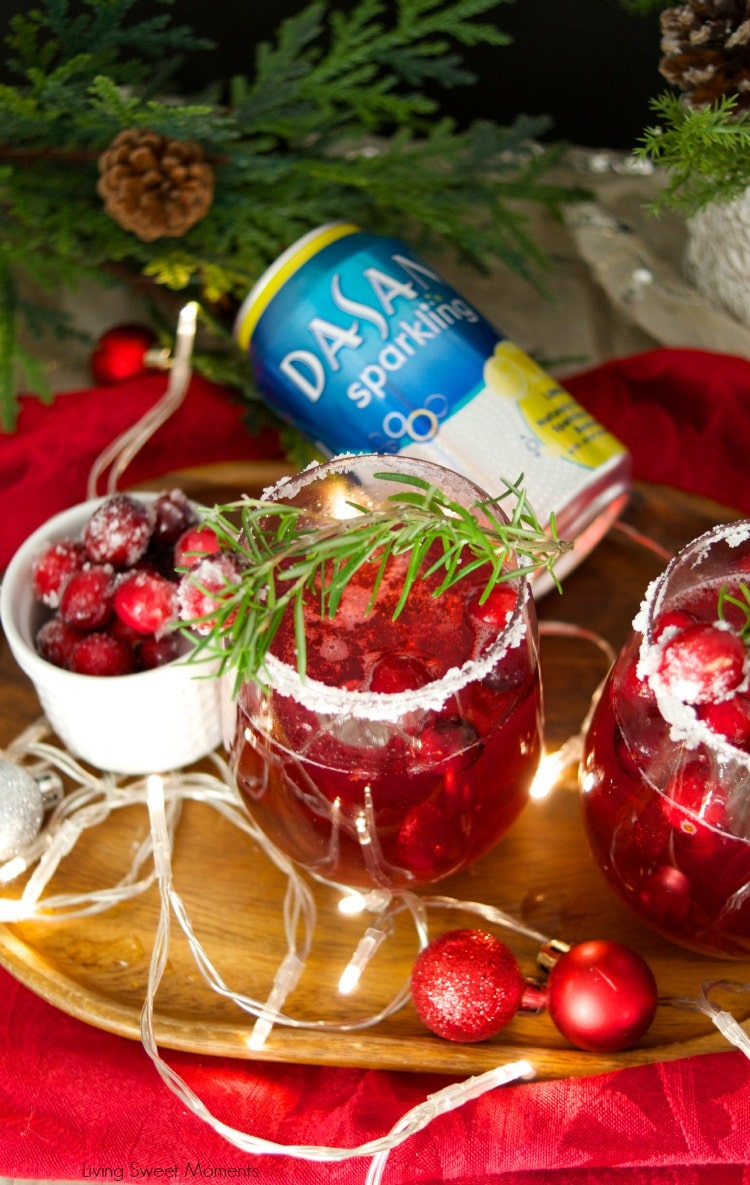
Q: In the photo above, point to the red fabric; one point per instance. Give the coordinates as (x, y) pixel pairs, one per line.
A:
(684, 415)
(80, 1104)
(44, 465)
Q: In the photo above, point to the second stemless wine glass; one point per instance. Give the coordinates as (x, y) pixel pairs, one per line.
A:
(665, 776)
(408, 748)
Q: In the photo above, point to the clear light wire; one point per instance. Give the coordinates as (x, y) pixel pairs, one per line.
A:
(413, 1121)
(121, 451)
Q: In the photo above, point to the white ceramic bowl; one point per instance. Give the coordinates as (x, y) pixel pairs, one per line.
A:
(148, 722)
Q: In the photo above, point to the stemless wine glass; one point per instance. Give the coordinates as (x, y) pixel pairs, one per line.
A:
(408, 748)
(665, 776)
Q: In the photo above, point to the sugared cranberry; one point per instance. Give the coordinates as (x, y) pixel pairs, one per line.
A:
(101, 654)
(173, 514)
(703, 663)
(397, 672)
(193, 544)
(157, 652)
(52, 568)
(55, 641)
(119, 531)
(87, 599)
(124, 633)
(146, 601)
(202, 590)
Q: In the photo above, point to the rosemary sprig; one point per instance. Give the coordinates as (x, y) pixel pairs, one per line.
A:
(741, 602)
(286, 552)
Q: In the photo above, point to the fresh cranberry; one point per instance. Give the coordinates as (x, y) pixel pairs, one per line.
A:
(397, 672)
(55, 641)
(119, 531)
(52, 568)
(157, 652)
(692, 797)
(146, 601)
(202, 590)
(431, 842)
(101, 654)
(173, 514)
(87, 599)
(496, 609)
(729, 718)
(674, 620)
(632, 688)
(665, 896)
(449, 740)
(703, 663)
(193, 544)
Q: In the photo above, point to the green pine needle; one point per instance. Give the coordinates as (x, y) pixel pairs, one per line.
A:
(705, 152)
(284, 143)
(287, 552)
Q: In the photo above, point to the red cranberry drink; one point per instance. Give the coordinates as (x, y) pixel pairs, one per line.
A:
(666, 771)
(407, 749)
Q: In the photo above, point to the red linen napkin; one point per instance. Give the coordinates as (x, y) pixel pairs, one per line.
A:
(80, 1104)
(684, 415)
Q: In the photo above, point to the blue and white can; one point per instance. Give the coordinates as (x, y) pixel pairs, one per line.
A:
(366, 348)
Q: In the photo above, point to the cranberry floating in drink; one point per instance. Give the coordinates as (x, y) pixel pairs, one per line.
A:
(392, 731)
(666, 770)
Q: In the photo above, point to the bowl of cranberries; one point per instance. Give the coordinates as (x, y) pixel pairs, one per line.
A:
(90, 609)
(665, 776)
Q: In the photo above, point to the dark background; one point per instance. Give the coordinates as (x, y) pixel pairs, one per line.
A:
(588, 64)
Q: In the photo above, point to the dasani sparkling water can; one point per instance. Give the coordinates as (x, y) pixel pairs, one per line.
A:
(367, 348)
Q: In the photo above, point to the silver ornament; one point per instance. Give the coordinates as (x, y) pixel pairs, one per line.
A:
(23, 801)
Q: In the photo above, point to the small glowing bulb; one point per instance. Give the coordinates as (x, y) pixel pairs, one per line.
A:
(350, 977)
(546, 776)
(368, 946)
(12, 869)
(340, 502)
(352, 904)
(553, 765)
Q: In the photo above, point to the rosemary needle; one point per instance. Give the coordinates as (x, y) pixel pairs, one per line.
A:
(285, 552)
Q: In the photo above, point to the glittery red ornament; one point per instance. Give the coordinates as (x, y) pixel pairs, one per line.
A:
(466, 985)
(602, 996)
(120, 353)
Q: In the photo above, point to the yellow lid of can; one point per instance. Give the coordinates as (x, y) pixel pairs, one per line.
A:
(274, 277)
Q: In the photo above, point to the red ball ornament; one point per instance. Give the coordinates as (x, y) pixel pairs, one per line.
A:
(120, 353)
(466, 985)
(602, 996)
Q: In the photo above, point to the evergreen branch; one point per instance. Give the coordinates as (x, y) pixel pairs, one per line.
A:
(97, 40)
(281, 143)
(705, 150)
(286, 553)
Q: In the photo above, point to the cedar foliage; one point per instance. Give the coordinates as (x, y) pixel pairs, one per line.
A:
(334, 121)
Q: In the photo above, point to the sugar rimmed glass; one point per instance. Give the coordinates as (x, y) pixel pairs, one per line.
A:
(408, 749)
(665, 796)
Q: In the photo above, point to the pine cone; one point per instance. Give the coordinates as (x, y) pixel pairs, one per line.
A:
(153, 186)
(706, 48)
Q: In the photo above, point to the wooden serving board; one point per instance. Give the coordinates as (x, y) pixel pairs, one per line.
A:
(95, 968)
